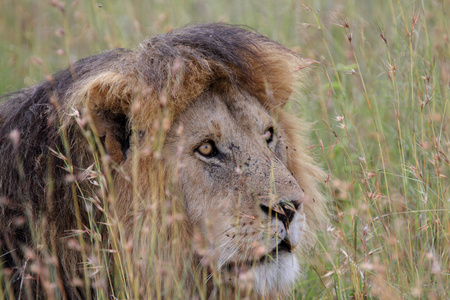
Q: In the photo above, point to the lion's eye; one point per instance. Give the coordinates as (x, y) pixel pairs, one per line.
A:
(207, 149)
(268, 135)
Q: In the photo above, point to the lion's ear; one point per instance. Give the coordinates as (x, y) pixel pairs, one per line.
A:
(107, 99)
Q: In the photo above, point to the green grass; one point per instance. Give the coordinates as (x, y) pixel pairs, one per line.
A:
(378, 101)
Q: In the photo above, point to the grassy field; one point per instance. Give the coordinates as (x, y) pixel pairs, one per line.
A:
(377, 99)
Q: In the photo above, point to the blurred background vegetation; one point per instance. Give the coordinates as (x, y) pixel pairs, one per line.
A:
(377, 99)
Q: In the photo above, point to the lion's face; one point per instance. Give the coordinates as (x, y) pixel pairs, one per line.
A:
(239, 193)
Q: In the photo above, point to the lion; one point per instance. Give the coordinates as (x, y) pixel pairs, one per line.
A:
(171, 170)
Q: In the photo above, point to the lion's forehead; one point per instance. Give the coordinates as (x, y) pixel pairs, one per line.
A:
(224, 117)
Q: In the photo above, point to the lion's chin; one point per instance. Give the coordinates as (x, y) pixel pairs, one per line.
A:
(276, 275)
(268, 276)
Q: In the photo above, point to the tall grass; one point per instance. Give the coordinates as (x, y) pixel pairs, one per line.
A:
(378, 101)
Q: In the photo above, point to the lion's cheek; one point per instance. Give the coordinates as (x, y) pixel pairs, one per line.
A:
(200, 194)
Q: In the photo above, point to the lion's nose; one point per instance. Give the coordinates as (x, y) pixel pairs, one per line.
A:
(283, 210)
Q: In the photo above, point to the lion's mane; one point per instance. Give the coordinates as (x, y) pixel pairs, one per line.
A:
(124, 93)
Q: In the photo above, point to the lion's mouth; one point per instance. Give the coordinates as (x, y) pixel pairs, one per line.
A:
(284, 246)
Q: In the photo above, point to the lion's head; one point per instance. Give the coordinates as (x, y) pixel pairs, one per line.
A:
(193, 142)
(238, 189)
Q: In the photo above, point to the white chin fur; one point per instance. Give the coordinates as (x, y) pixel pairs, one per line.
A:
(276, 276)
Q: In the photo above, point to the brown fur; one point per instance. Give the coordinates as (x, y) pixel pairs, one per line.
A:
(130, 102)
